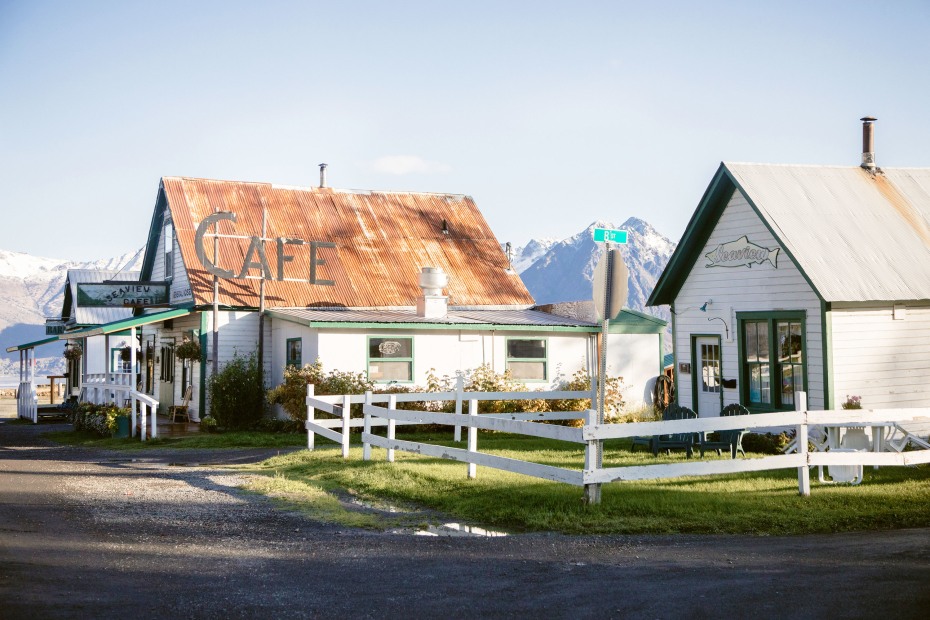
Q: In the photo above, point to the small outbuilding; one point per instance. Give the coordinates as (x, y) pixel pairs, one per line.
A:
(803, 278)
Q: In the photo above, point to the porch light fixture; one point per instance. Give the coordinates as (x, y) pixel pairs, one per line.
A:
(709, 302)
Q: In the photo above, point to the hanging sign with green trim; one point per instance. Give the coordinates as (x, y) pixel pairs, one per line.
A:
(122, 294)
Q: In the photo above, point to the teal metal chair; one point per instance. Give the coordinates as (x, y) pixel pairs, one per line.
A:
(675, 441)
(727, 440)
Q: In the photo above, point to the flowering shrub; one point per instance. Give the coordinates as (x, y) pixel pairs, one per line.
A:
(98, 419)
(292, 394)
(853, 402)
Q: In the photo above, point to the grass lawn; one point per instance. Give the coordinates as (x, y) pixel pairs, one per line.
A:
(764, 503)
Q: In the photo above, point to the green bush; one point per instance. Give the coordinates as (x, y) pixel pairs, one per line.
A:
(767, 443)
(97, 419)
(237, 396)
(292, 394)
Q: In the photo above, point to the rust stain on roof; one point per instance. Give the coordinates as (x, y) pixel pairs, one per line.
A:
(382, 241)
(908, 212)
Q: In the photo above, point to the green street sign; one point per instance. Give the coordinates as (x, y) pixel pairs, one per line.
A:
(607, 235)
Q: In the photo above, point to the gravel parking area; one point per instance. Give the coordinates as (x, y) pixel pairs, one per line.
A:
(88, 533)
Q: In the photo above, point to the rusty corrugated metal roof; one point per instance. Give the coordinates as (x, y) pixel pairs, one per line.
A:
(382, 241)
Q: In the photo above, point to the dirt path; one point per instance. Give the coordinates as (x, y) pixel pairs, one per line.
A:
(95, 534)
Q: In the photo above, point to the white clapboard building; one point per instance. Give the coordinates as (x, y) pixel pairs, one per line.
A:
(393, 285)
(804, 278)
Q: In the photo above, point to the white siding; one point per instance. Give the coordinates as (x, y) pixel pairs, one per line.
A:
(638, 359)
(883, 360)
(744, 289)
(180, 328)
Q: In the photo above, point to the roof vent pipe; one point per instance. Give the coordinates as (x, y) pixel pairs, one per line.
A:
(868, 142)
(322, 176)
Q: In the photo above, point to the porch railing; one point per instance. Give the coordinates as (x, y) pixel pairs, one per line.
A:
(116, 388)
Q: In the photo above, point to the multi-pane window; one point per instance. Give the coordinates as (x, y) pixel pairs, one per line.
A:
(527, 359)
(772, 358)
(710, 368)
(169, 251)
(293, 352)
(390, 359)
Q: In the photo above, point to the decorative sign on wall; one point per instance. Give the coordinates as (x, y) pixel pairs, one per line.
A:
(741, 253)
(389, 348)
(122, 294)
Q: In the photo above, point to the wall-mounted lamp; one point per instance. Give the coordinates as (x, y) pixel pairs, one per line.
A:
(709, 302)
(717, 318)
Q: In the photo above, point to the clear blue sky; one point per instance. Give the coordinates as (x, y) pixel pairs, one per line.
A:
(550, 114)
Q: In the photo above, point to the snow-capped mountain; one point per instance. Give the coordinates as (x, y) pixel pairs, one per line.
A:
(521, 258)
(32, 289)
(564, 272)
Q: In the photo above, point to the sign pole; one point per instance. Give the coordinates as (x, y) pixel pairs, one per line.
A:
(592, 492)
(216, 300)
(261, 305)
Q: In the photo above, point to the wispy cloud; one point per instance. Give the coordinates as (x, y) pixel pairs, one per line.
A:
(409, 164)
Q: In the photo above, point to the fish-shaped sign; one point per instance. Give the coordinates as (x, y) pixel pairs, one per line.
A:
(741, 253)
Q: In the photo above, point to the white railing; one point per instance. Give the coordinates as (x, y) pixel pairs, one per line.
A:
(104, 388)
(27, 401)
(143, 403)
(116, 388)
(592, 434)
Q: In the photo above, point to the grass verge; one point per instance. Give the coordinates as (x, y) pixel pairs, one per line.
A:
(764, 503)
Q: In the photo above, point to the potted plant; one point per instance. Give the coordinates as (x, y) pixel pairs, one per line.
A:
(73, 352)
(188, 350)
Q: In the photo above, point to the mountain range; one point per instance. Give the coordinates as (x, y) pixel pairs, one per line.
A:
(551, 269)
(32, 288)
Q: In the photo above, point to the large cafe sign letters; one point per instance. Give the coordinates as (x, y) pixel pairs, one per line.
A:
(256, 257)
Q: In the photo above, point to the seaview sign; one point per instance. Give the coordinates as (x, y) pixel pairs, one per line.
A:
(741, 253)
(255, 256)
(122, 294)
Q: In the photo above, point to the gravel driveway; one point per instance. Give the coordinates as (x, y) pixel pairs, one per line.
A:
(93, 534)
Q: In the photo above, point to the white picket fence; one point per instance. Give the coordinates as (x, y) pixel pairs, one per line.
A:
(27, 401)
(591, 434)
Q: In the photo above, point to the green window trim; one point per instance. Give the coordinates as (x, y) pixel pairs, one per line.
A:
(293, 357)
(770, 325)
(394, 352)
(523, 361)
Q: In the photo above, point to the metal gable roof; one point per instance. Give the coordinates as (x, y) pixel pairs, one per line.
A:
(401, 317)
(382, 241)
(854, 235)
(79, 315)
(124, 324)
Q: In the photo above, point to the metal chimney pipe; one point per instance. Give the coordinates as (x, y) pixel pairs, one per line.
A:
(868, 142)
(322, 175)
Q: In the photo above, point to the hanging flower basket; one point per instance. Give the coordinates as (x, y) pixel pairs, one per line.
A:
(125, 354)
(74, 352)
(188, 350)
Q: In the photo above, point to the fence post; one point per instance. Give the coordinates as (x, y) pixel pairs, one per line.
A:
(592, 492)
(153, 422)
(472, 437)
(143, 424)
(366, 447)
(132, 417)
(311, 413)
(346, 412)
(392, 425)
(804, 472)
(459, 388)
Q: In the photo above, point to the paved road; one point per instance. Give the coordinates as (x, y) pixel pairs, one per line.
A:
(89, 534)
